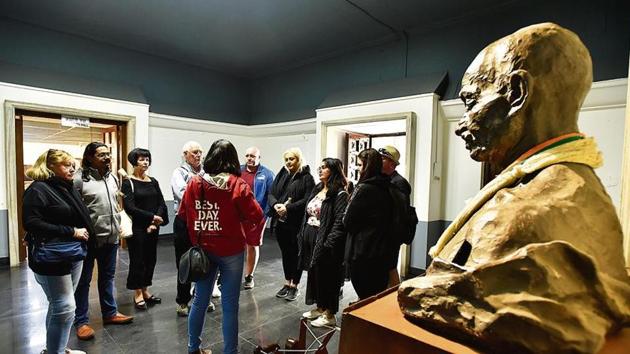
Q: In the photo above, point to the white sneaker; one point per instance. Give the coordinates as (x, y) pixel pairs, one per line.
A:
(216, 293)
(323, 321)
(71, 351)
(312, 314)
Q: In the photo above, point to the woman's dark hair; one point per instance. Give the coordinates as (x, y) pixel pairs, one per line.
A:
(137, 153)
(88, 153)
(337, 180)
(222, 157)
(372, 164)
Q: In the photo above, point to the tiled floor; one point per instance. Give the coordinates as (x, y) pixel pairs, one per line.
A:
(263, 318)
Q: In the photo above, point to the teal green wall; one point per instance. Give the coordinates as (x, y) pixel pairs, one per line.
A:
(179, 89)
(604, 26)
(168, 86)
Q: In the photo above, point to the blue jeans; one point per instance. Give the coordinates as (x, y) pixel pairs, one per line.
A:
(106, 261)
(59, 290)
(231, 269)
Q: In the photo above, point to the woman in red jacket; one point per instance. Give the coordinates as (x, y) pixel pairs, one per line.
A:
(220, 211)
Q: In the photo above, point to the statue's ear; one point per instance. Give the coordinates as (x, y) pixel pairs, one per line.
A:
(518, 89)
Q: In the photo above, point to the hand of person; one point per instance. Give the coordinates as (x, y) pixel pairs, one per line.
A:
(281, 209)
(81, 234)
(157, 220)
(151, 228)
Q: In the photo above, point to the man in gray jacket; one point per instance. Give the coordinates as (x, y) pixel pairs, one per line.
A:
(191, 154)
(98, 189)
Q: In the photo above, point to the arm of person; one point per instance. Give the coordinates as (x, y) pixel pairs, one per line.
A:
(162, 211)
(251, 215)
(33, 210)
(296, 207)
(269, 185)
(178, 184)
(338, 232)
(356, 210)
(139, 217)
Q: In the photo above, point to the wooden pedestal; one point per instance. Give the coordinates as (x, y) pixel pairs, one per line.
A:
(377, 326)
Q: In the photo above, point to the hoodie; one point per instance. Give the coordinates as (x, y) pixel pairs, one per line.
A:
(221, 214)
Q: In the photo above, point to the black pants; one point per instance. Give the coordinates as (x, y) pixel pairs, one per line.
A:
(142, 256)
(323, 284)
(287, 240)
(369, 276)
(182, 244)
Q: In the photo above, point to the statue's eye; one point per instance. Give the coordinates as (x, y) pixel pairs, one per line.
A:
(469, 100)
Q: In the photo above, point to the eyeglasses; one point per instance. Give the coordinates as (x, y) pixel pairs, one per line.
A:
(250, 155)
(103, 155)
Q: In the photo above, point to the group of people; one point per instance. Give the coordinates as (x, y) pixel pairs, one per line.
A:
(328, 230)
(334, 231)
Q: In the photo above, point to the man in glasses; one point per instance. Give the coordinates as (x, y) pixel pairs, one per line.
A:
(98, 189)
(259, 178)
(192, 154)
(391, 159)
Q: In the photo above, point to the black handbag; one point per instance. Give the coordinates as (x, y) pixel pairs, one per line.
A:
(194, 264)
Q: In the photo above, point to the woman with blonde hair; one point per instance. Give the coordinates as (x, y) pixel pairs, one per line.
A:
(287, 201)
(54, 213)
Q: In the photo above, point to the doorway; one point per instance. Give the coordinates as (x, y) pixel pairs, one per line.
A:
(37, 132)
(345, 138)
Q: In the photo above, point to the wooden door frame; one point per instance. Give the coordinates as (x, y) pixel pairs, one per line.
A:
(10, 153)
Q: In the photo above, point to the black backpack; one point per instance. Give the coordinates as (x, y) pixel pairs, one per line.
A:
(404, 218)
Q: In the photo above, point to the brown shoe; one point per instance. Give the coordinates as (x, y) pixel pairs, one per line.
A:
(85, 332)
(118, 318)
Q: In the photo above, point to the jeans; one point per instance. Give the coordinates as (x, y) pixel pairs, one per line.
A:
(231, 268)
(106, 261)
(59, 291)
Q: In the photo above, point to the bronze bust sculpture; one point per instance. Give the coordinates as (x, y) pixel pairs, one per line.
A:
(534, 262)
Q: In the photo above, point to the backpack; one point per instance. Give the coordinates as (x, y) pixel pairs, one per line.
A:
(404, 218)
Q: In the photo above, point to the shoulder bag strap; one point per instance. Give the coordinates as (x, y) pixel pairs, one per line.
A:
(203, 196)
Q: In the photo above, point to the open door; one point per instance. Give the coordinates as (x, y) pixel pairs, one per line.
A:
(35, 132)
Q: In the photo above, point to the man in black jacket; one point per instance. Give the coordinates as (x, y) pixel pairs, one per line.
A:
(391, 159)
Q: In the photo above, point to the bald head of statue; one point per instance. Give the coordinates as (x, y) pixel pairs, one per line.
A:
(522, 90)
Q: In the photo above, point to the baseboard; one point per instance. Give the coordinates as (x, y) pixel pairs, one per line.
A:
(4, 261)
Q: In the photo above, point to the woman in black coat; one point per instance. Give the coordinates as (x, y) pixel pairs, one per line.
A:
(144, 203)
(53, 212)
(321, 243)
(287, 201)
(367, 219)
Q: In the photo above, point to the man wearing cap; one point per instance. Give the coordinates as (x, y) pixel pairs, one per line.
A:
(391, 158)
